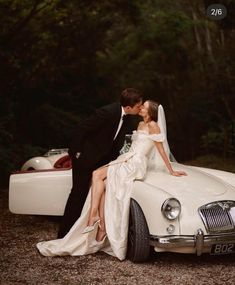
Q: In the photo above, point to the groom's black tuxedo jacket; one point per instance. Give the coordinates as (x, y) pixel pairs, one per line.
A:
(94, 137)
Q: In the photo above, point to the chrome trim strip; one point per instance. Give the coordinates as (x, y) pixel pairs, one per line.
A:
(198, 241)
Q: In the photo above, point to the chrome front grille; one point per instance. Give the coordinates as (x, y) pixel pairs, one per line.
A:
(218, 216)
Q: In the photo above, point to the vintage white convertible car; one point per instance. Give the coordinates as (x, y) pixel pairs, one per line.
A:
(190, 214)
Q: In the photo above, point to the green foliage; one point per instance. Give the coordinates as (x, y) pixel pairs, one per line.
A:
(220, 140)
(53, 126)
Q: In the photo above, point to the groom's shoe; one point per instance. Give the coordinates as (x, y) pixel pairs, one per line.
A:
(90, 228)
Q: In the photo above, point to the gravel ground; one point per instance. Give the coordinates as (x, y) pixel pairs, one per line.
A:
(20, 262)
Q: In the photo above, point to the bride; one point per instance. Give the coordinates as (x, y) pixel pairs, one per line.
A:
(103, 224)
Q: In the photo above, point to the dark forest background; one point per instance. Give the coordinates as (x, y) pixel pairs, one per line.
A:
(59, 60)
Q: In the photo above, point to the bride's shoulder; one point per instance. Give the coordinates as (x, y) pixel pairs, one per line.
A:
(153, 127)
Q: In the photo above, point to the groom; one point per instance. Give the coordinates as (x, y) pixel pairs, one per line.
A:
(97, 141)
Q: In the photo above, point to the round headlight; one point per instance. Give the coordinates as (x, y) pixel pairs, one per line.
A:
(171, 208)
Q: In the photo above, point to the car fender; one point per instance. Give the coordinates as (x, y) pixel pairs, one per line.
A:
(37, 163)
(42, 192)
(150, 199)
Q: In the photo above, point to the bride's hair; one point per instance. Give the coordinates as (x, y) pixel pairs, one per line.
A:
(153, 110)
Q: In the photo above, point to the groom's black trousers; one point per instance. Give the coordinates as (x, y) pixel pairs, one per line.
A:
(81, 184)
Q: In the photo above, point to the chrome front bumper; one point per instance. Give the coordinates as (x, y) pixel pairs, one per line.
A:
(199, 242)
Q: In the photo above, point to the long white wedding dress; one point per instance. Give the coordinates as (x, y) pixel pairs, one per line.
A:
(120, 178)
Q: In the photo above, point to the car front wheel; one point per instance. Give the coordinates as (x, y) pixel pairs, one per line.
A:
(138, 235)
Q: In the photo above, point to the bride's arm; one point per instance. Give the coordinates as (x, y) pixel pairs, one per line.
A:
(154, 129)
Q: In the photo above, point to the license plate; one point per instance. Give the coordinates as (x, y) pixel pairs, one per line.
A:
(223, 248)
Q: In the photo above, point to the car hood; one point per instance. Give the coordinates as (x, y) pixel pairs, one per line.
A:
(193, 191)
(196, 186)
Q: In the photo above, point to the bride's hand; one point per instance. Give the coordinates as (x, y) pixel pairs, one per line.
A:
(179, 173)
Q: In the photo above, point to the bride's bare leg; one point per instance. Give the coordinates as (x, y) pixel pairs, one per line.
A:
(101, 230)
(97, 189)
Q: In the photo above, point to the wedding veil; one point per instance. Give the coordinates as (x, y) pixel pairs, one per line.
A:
(162, 125)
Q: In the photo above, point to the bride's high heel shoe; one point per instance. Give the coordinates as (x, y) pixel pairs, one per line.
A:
(102, 240)
(91, 228)
(101, 234)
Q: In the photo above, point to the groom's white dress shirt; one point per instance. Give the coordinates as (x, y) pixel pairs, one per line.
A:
(120, 123)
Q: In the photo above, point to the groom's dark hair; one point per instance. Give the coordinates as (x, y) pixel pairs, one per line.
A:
(130, 97)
